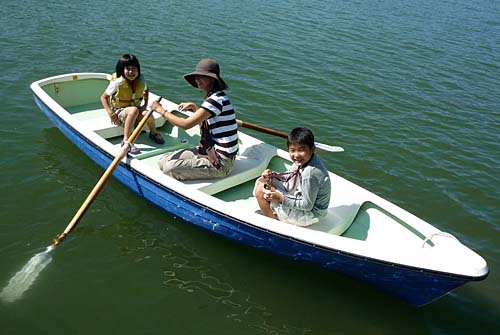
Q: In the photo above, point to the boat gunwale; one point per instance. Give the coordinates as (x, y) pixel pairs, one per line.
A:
(128, 163)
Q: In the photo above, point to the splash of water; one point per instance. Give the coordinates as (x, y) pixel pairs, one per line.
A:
(22, 280)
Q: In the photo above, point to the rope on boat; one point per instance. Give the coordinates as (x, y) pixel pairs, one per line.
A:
(441, 233)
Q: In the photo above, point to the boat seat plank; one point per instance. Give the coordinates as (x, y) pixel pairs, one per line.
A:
(97, 120)
(248, 165)
(338, 218)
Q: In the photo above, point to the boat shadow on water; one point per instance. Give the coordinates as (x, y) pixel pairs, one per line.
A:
(250, 287)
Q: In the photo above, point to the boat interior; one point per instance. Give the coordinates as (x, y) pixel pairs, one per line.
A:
(347, 216)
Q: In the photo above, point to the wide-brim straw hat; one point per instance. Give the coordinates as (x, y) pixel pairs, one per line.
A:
(206, 67)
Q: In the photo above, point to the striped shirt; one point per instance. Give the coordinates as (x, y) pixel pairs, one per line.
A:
(222, 123)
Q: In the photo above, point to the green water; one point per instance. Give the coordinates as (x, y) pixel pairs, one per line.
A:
(408, 88)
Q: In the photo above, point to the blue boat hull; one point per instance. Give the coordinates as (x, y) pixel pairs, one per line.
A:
(415, 286)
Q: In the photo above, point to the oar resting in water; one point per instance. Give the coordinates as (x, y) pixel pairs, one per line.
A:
(24, 278)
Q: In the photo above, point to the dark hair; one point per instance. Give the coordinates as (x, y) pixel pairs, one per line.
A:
(300, 135)
(127, 60)
(216, 86)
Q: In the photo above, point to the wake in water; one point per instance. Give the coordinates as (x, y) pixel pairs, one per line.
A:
(22, 280)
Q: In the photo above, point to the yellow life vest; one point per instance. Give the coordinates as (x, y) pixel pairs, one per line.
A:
(126, 95)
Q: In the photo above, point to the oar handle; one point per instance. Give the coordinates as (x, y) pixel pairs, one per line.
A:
(104, 178)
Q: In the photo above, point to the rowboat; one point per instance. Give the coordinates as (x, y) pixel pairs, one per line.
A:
(363, 235)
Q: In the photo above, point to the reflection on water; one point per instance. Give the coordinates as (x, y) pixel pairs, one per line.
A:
(185, 270)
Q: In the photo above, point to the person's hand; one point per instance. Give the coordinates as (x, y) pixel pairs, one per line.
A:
(115, 120)
(186, 106)
(267, 173)
(154, 105)
(279, 196)
(272, 194)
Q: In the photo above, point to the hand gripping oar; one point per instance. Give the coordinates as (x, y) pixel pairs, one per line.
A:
(109, 171)
(256, 127)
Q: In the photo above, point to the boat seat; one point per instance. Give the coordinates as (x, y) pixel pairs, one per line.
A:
(97, 120)
(248, 165)
(339, 217)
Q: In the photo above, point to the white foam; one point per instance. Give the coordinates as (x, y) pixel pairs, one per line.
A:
(22, 280)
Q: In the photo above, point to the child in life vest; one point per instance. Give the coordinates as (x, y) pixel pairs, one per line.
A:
(126, 97)
(301, 195)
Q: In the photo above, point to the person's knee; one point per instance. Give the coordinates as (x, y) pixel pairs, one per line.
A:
(259, 189)
(173, 171)
(132, 111)
(164, 165)
(172, 167)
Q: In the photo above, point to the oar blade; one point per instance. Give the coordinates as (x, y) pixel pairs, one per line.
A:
(270, 131)
(327, 147)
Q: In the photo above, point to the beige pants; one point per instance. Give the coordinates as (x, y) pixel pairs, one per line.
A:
(186, 164)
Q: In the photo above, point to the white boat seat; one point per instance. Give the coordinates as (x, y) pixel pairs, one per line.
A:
(248, 165)
(97, 120)
(338, 219)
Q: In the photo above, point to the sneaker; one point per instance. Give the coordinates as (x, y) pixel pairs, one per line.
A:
(133, 149)
(157, 138)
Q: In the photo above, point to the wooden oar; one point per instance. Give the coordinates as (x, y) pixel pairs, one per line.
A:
(24, 278)
(256, 127)
(109, 171)
(270, 131)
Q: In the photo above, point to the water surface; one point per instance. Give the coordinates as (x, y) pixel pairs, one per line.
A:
(408, 88)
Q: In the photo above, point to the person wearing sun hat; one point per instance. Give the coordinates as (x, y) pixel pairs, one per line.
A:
(214, 156)
(209, 68)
